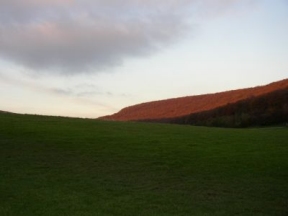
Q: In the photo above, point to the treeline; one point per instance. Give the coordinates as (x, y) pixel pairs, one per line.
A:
(264, 110)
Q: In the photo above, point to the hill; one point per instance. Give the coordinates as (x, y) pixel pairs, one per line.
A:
(183, 106)
(64, 166)
(263, 110)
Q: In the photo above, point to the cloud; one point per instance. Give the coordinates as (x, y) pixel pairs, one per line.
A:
(211, 9)
(78, 94)
(84, 90)
(68, 36)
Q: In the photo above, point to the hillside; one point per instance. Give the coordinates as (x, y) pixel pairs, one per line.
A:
(183, 106)
(263, 110)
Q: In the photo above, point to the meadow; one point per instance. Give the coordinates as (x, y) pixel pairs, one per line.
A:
(68, 166)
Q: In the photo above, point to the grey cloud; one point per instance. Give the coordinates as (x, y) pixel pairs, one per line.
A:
(75, 36)
(83, 91)
(70, 37)
(65, 92)
(94, 93)
(211, 9)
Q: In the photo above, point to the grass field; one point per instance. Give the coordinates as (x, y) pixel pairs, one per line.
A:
(63, 166)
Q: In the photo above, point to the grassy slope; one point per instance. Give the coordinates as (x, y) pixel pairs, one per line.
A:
(60, 166)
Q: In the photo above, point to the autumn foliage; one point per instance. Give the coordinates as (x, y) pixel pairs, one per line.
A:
(263, 110)
(184, 106)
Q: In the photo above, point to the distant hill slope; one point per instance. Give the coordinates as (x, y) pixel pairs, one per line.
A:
(4, 111)
(183, 106)
(264, 110)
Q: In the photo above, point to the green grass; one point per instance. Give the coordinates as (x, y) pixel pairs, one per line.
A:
(62, 166)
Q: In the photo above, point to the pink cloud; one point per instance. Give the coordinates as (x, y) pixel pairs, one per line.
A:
(74, 36)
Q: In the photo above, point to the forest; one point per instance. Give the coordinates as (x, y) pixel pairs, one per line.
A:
(264, 110)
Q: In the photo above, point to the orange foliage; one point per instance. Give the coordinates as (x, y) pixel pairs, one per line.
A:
(177, 107)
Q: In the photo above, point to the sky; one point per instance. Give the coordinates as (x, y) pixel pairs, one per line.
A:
(91, 58)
